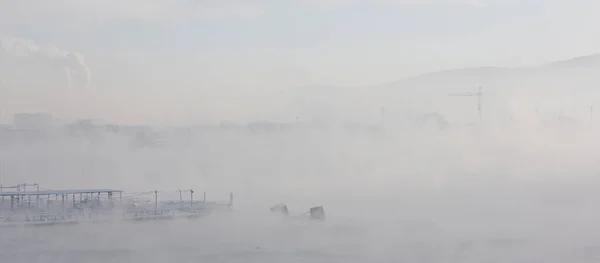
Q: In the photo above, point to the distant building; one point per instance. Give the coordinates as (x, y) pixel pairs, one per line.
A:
(33, 121)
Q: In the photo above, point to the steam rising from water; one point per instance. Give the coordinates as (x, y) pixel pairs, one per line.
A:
(464, 194)
(410, 190)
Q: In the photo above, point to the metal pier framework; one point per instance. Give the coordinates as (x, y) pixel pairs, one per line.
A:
(49, 207)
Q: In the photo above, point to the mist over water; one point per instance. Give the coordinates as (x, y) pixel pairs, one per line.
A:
(465, 194)
(339, 104)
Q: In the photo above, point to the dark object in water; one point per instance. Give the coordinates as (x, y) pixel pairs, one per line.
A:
(280, 208)
(317, 213)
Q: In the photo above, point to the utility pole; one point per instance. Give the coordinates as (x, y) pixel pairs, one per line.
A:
(478, 94)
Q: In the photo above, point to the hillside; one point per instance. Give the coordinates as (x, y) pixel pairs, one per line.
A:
(572, 71)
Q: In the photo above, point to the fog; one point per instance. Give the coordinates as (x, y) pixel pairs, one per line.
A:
(465, 193)
(405, 170)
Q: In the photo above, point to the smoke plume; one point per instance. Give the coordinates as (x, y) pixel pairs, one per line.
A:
(76, 72)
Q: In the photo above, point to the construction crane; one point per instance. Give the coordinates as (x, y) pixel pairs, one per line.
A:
(478, 94)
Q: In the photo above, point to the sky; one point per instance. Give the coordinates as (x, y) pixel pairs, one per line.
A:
(205, 51)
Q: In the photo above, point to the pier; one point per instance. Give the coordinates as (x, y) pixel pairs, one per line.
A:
(67, 207)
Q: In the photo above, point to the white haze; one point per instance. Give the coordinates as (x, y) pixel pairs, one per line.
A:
(520, 186)
(18, 53)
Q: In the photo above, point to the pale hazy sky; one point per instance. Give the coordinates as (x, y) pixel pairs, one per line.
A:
(130, 44)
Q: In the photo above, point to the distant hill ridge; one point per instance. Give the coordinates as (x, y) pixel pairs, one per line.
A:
(582, 62)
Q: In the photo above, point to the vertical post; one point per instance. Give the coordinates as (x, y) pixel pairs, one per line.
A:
(155, 202)
(23, 196)
(180, 198)
(62, 204)
(191, 197)
(204, 197)
(37, 199)
(230, 199)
